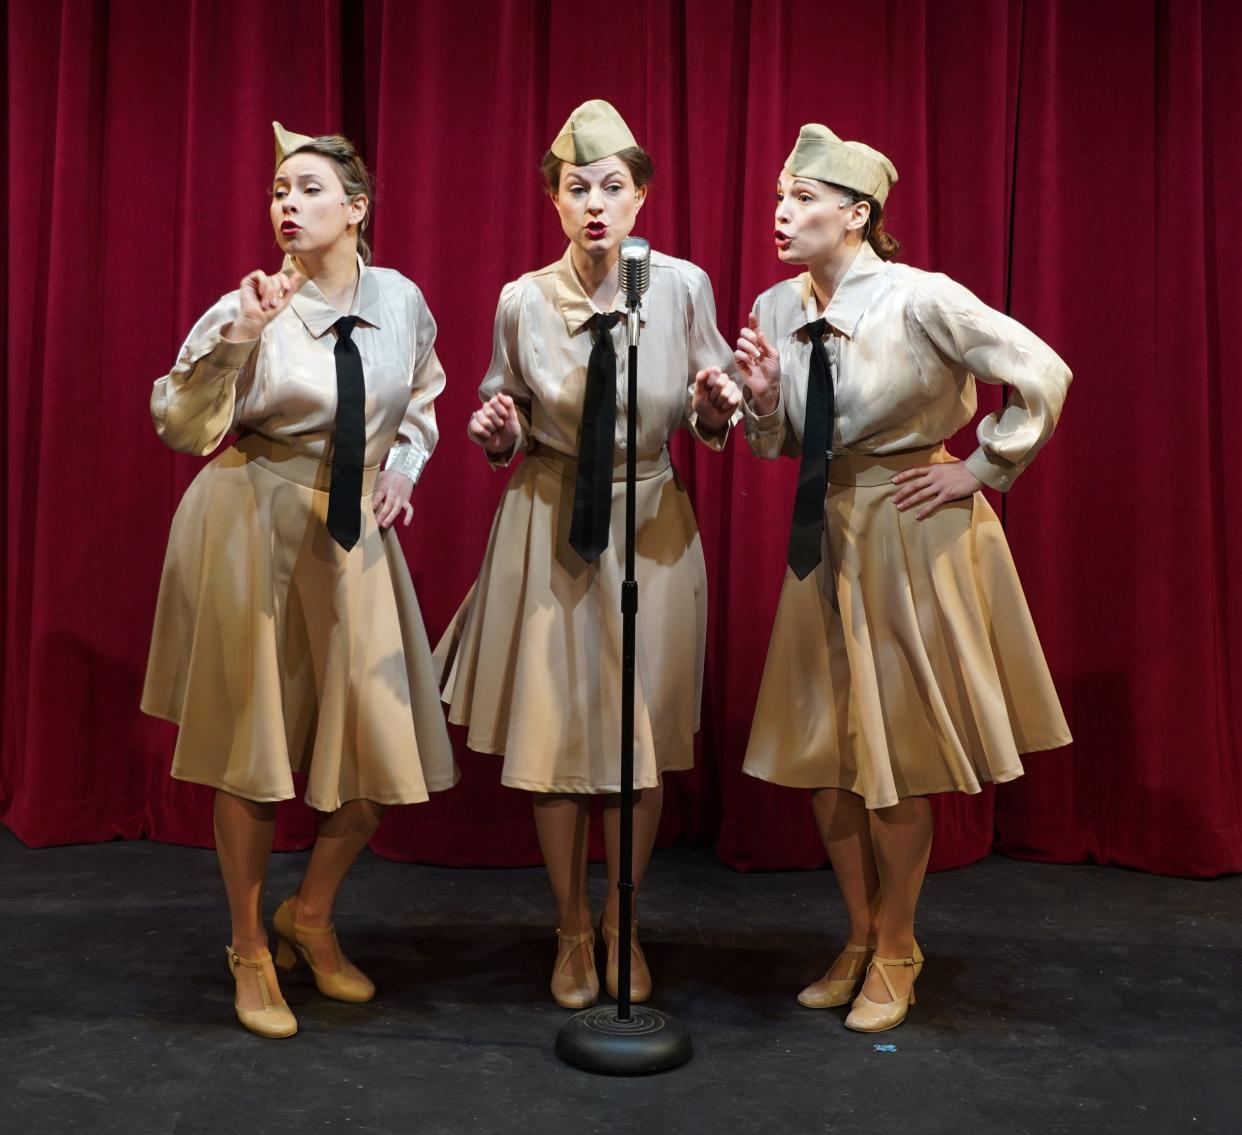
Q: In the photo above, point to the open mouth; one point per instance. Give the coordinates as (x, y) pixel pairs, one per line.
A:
(783, 240)
(596, 230)
(288, 228)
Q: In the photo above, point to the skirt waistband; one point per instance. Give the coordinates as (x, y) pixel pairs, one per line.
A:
(872, 469)
(647, 467)
(295, 464)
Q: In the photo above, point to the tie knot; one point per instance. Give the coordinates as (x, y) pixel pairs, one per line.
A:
(605, 321)
(345, 326)
(816, 328)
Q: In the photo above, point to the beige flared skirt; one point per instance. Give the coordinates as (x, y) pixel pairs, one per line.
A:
(276, 651)
(907, 662)
(532, 661)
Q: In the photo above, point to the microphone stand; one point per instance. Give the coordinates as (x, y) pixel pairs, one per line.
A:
(626, 1041)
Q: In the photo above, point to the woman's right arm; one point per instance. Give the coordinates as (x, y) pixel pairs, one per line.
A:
(193, 406)
(502, 424)
(763, 408)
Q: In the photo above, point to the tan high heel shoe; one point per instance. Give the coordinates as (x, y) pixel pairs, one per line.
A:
(275, 1019)
(569, 990)
(640, 975)
(346, 983)
(829, 992)
(869, 1016)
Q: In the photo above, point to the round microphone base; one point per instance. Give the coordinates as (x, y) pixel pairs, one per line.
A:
(597, 1040)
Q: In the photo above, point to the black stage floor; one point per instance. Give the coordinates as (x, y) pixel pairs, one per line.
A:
(1055, 999)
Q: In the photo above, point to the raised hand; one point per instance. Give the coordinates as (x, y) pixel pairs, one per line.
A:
(716, 398)
(263, 297)
(760, 367)
(495, 425)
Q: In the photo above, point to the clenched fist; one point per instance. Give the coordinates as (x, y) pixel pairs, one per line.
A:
(263, 297)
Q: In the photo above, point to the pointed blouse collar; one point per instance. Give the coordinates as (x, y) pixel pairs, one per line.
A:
(319, 315)
(858, 287)
(576, 306)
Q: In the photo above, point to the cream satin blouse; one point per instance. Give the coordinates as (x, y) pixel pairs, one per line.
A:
(286, 388)
(905, 348)
(543, 339)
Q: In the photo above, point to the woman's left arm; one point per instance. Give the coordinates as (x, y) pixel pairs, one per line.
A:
(713, 398)
(418, 433)
(998, 350)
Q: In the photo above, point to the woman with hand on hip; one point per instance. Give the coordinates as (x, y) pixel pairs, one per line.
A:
(287, 634)
(532, 661)
(903, 660)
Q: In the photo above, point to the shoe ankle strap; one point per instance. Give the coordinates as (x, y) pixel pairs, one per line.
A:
(298, 928)
(610, 931)
(571, 940)
(265, 979)
(235, 959)
(882, 964)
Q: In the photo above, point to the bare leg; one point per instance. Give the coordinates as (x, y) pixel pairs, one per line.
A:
(648, 803)
(342, 836)
(562, 823)
(244, 832)
(901, 836)
(845, 828)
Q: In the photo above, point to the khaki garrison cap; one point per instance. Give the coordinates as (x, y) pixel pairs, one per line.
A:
(594, 130)
(287, 141)
(821, 155)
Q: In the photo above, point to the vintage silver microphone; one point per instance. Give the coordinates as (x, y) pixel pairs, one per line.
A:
(634, 277)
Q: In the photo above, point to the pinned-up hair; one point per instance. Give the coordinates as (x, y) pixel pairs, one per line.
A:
(356, 179)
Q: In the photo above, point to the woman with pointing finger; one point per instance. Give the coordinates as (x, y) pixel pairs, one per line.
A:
(532, 661)
(903, 660)
(287, 634)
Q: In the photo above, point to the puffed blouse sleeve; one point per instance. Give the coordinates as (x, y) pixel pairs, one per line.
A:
(706, 347)
(995, 349)
(418, 433)
(194, 406)
(504, 373)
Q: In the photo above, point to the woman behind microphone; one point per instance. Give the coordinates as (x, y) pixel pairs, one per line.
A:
(532, 661)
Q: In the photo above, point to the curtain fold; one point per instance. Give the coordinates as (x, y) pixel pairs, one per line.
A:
(139, 154)
(1129, 532)
(1073, 163)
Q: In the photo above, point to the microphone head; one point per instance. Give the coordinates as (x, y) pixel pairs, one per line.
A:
(634, 269)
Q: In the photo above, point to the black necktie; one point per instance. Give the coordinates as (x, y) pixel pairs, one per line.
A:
(807, 531)
(588, 532)
(350, 439)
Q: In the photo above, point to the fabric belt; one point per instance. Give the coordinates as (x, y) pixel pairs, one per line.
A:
(295, 464)
(872, 469)
(567, 464)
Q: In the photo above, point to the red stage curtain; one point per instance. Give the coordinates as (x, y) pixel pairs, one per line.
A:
(1129, 533)
(1070, 162)
(139, 151)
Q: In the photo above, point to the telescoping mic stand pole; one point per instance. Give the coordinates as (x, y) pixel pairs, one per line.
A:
(622, 1040)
